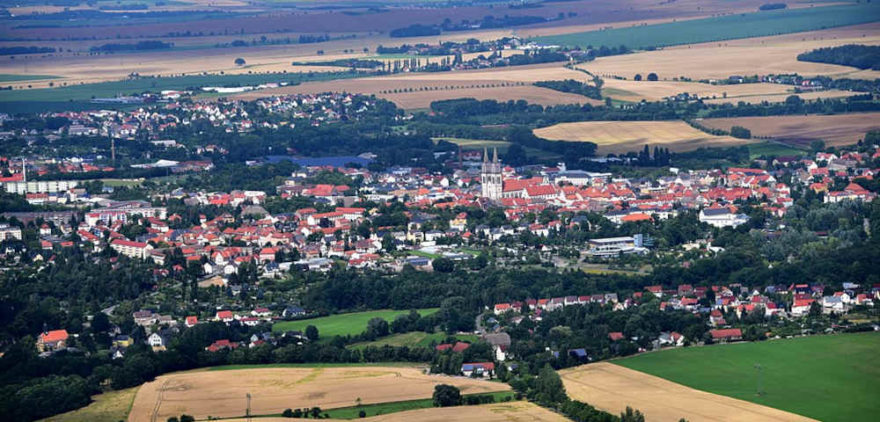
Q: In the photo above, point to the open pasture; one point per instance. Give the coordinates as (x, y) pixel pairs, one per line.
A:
(826, 377)
(343, 324)
(223, 393)
(837, 130)
(112, 406)
(762, 56)
(612, 388)
(621, 137)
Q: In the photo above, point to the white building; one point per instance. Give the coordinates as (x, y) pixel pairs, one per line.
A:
(722, 217)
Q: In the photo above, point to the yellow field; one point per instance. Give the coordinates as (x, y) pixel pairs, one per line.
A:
(837, 130)
(750, 56)
(620, 137)
(611, 388)
(108, 407)
(223, 393)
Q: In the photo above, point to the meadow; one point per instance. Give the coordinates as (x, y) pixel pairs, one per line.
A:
(112, 406)
(412, 339)
(828, 377)
(343, 324)
(734, 26)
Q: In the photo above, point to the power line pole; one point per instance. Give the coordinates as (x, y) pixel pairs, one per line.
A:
(248, 411)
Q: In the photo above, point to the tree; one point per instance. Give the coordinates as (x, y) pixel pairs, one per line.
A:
(549, 390)
(187, 418)
(443, 265)
(239, 61)
(652, 77)
(312, 333)
(446, 395)
(638, 77)
(316, 412)
(376, 327)
(817, 145)
(362, 414)
(287, 413)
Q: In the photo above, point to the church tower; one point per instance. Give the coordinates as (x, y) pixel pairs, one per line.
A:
(490, 175)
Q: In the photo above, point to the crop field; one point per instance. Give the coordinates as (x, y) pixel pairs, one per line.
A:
(837, 130)
(746, 25)
(612, 388)
(223, 393)
(343, 324)
(629, 90)
(830, 377)
(412, 339)
(762, 56)
(108, 407)
(620, 137)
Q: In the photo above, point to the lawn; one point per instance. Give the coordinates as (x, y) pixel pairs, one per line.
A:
(412, 339)
(829, 377)
(745, 25)
(112, 406)
(772, 149)
(343, 324)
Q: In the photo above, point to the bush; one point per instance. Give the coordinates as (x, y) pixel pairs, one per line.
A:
(446, 395)
(362, 414)
(740, 132)
(287, 413)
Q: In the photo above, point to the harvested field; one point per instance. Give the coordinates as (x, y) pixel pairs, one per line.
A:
(778, 98)
(223, 393)
(620, 137)
(628, 90)
(532, 94)
(611, 388)
(837, 130)
(764, 55)
(517, 411)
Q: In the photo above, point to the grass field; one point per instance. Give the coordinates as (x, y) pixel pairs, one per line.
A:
(343, 324)
(8, 77)
(619, 137)
(772, 149)
(727, 27)
(833, 377)
(412, 339)
(837, 129)
(108, 407)
(67, 97)
(353, 412)
(224, 393)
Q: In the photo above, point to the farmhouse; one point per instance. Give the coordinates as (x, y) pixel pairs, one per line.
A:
(478, 369)
(52, 340)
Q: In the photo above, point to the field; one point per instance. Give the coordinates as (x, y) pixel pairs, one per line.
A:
(837, 130)
(342, 324)
(412, 339)
(223, 393)
(762, 56)
(620, 137)
(634, 91)
(478, 144)
(108, 407)
(746, 25)
(831, 377)
(612, 388)
(389, 408)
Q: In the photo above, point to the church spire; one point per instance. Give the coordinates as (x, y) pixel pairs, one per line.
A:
(485, 154)
(495, 155)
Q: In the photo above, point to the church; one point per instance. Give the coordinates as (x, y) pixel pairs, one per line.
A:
(490, 176)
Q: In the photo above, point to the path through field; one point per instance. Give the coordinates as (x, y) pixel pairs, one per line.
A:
(611, 388)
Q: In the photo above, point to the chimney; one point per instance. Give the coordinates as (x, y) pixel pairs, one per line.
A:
(24, 169)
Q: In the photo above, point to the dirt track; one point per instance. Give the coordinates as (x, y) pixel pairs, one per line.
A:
(223, 393)
(611, 388)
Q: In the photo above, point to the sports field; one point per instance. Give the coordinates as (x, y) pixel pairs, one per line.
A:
(734, 26)
(837, 129)
(620, 137)
(343, 324)
(831, 377)
(224, 393)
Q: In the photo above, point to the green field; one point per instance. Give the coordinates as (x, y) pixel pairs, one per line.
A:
(746, 25)
(412, 339)
(312, 365)
(112, 406)
(78, 97)
(343, 324)
(8, 77)
(829, 377)
(772, 149)
(400, 406)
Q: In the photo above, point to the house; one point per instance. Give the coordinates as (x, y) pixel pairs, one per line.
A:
(501, 308)
(478, 369)
(144, 318)
(579, 354)
(458, 347)
(157, 341)
(722, 217)
(726, 335)
(191, 321)
(224, 316)
(832, 304)
(52, 340)
(801, 307)
(293, 311)
(671, 339)
(131, 249)
(615, 336)
(500, 344)
(221, 344)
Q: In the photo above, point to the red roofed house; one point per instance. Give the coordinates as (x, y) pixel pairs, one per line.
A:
(615, 336)
(225, 316)
(726, 335)
(52, 340)
(191, 321)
